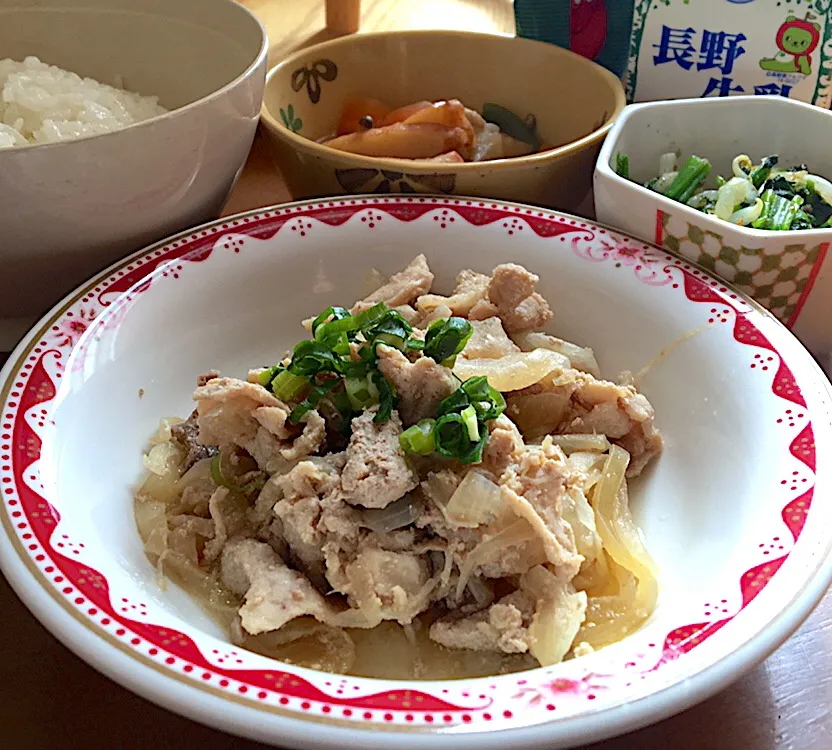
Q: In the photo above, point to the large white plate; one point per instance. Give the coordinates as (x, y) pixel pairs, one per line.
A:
(735, 511)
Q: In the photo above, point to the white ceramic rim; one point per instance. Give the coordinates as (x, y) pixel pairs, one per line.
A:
(215, 710)
(603, 166)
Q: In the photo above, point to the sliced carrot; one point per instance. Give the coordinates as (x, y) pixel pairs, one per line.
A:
(357, 109)
(403, 141)
(402, 113)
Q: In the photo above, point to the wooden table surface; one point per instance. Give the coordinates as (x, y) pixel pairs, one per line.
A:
(51, 699)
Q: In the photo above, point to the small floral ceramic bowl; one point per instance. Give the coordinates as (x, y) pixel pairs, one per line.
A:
(787, 272)
(743, 408)
(574, 103)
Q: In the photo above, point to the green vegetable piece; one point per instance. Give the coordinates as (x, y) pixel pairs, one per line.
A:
(819, 210)
(366, 320)
(312, 357)
(511, 124)
(778, 213)
(469, 416)
(265, 378)
(335, 330)
(447, 338)
(761, 174)
(769, 197)
(474, 455)
(785, 213)
(361, 392)
(387, 397)
(451, 436)
(689, 179)
(312, 400)
(289, 387)
(392, 329)
(622, 165)
(330, 314)
(419, 439)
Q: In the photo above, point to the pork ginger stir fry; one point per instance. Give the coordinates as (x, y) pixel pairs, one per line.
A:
(436, 465)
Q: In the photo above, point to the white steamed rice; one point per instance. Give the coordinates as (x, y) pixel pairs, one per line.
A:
(41, 103)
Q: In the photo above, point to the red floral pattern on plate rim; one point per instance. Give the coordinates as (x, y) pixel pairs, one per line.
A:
(32, 521)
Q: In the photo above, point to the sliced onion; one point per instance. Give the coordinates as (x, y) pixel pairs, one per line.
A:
(558, 616)
(580, 357)
(475, 502)
(736, 191)
(163, 458)
(492, 549)
(611, 617)
(513, 371)
(162, 462)
(588, 464)
(152, 524)
(624, 544)
(162, 434)
(744, 216)
(582, 442)
(742, 166)
(397, 515)
(578, 513)
(622, 538)
(197, 476)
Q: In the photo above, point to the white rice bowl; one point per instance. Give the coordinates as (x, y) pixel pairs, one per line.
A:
(41, 103)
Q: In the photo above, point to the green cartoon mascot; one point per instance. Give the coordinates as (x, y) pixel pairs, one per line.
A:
(797, 38)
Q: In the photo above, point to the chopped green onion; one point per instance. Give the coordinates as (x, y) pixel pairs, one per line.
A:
(469, 416)
(289, 387)
(687, 182)
(266, 377)
(397, 342)
(447, 338)
(456, 402)
(622, 165)
(474, 455)
(451, 436)
(759, 175)
(487, 401)
(331, 313)
(359, 392)
(311, 400)
(335, 329)
(387, 398)
(312, 357)
(419, 438)
(367, 319)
